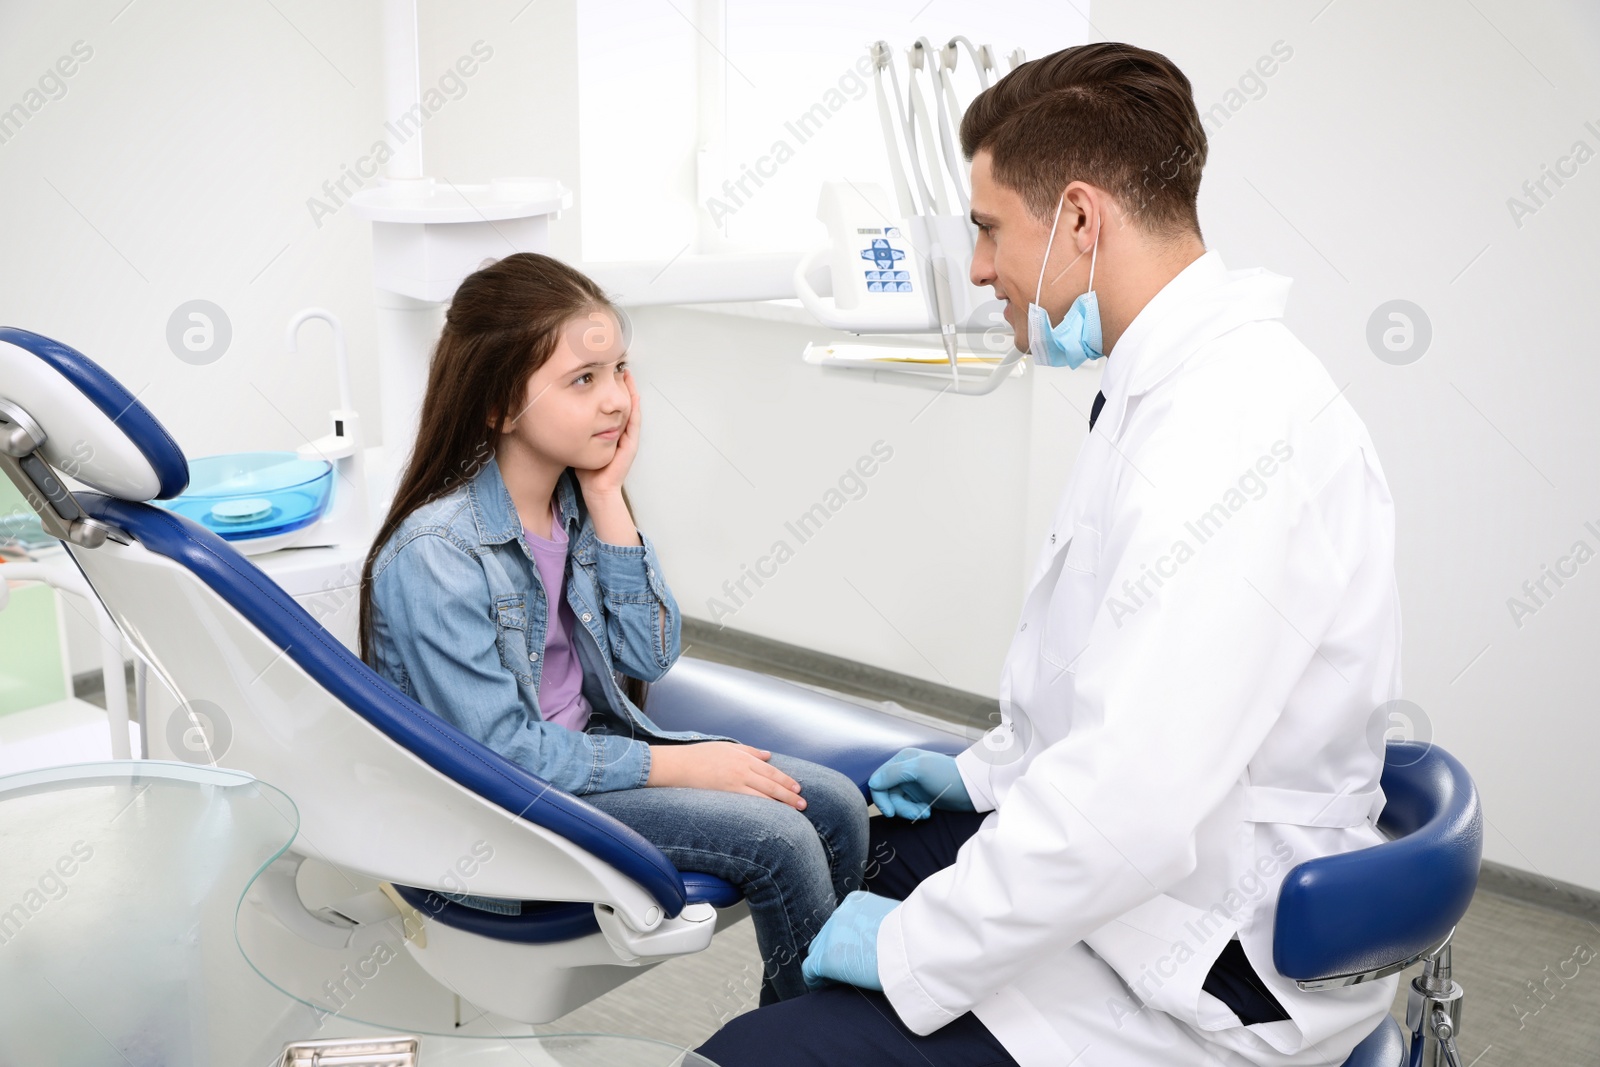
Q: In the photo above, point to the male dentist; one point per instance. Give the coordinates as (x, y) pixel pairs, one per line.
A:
(1188, 698)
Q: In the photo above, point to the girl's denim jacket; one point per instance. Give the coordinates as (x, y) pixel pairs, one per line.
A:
(458, 624)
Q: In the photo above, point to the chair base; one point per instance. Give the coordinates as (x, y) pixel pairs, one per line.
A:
(554, 957)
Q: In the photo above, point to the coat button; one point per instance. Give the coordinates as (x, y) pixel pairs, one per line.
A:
(1052, 539)
(533, 657)
(1024, 626)
(587, 616)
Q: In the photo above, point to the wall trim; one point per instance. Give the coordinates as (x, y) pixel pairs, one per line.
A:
(721, 644)
(1506, 881)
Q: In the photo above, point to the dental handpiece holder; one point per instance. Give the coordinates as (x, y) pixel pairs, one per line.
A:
(877, 273)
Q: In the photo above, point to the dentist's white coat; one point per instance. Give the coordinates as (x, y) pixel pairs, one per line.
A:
(1171, 751)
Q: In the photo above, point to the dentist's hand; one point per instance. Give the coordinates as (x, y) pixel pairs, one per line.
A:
(915, 781)
(846, 948)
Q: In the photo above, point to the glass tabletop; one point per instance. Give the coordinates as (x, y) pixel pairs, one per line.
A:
(124, 925)
(547, 1050)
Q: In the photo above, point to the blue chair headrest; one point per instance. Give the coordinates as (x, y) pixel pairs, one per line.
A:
(97, 431)
(1360, 911)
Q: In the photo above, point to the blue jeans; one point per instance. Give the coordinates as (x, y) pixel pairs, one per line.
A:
(792, 866)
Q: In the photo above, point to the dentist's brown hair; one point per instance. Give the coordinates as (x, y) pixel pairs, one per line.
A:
(1118, 117)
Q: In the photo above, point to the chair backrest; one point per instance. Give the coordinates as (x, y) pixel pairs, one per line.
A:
(384, 786)
(1365, 911)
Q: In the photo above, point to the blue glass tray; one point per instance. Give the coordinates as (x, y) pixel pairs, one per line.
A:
(245, 495)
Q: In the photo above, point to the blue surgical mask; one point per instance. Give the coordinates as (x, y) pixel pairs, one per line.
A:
(1076, 338)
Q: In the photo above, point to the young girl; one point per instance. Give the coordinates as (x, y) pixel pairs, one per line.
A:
(508, 586)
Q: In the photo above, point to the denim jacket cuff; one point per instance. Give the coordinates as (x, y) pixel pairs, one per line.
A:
(619, 763)
(629, 572)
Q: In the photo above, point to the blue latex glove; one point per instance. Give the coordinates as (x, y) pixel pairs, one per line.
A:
(915, 781)
(846, 948)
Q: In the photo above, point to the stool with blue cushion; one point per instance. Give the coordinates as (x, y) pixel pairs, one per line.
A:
(384, 787)
(1371, 913)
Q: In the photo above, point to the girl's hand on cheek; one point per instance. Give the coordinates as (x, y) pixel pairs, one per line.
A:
(608, 479)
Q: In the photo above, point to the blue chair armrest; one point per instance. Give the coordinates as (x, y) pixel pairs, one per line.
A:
(540, 922)
(544, 922)
(1367, 910)
(771, 713)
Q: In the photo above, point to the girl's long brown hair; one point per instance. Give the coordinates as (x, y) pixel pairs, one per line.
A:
(504, 322)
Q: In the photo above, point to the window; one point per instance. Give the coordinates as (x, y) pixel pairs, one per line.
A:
(784, 108)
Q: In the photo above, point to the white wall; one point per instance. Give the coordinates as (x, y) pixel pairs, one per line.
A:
(920, 567)
(1376, 165)
(179, 165)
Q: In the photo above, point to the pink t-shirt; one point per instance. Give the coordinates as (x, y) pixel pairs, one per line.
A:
(561, 679)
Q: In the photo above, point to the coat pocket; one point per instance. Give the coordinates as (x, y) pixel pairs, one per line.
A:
(511, 634)
(1074, 601)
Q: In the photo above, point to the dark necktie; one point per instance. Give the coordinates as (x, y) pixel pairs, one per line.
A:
(1094, 412)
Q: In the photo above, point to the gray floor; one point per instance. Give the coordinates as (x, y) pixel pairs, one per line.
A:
(1530, 998)
(1531, 975)
(682, 1001)
(1501, 946)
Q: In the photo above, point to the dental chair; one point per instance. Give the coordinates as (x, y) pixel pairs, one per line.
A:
(385, 788)
(1363, 915)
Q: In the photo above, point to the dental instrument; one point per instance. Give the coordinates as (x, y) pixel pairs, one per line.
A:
(908, 282)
